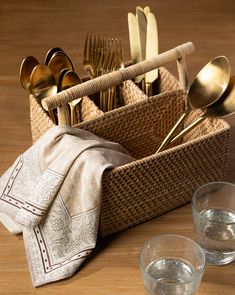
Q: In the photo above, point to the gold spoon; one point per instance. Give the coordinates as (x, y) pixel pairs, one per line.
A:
(225, 106)
(58, 62)
(207, 88)
(50, 53)
(70, 79)
(43, 84)
(26, 69)
(61, 76)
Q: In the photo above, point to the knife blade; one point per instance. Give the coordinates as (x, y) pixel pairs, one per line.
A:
(142, 27)
(134, 38)
(152, 48)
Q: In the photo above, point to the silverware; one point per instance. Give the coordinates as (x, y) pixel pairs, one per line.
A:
(134, 41)
(142, 31)
(50, 53)
(223, 107)
(42, 80)
(26, 69)
(43, 84)
(146, 10)
(111, 60)
(70, 79)
(107, 65)
(207, 88)
(143, 37)
(142, 26)
(88, 56)
(101, 56)
(58, 62)
(61, 76)
(152, 45)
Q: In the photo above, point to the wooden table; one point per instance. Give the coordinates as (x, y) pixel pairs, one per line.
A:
(31, 28)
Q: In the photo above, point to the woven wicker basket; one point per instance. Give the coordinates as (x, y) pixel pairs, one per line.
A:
(154, 183)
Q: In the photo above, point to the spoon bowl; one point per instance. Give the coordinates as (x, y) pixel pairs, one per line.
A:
(61, 76)
(26, 69)
(225, 106)
(210, 83)
(70, 79)
(43, 82)
(50, 53)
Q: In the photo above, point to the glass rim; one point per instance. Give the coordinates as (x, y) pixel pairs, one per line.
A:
(195, 208)
(198, 273)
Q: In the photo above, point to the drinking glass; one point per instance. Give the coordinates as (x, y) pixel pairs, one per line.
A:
(213, 209)
(171, 265)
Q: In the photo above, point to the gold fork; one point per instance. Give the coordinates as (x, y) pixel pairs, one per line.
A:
(88, 55)
(117, 63)
(102, 56)
(108, 60)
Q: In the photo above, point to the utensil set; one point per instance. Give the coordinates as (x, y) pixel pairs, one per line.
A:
(54, 75)
(102, 56)
(212, 91)
(206, 89)
(143, 36)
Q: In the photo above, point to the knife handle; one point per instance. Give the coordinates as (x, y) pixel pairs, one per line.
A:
(117, 77)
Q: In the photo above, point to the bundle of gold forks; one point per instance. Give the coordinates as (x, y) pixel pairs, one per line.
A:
(101, 56)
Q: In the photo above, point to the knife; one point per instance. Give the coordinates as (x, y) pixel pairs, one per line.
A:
(142, 30)
(151, 50)
(134, 38)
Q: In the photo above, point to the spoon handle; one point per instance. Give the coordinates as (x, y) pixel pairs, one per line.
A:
(63, 115)
(187, 129)
(172, 132)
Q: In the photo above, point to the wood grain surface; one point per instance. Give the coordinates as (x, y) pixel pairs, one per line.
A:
(32, 27)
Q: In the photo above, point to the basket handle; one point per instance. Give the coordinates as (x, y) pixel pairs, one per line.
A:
(117, 77)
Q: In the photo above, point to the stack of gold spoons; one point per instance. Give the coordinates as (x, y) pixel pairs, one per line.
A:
(42, 80)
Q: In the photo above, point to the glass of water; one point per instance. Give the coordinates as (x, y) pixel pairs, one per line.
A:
(171, 265)
(213, 208)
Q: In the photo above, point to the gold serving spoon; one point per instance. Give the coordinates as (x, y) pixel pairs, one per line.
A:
(58, 62)
(225, 106)
(207, 88)
(26, 69)
(69, 79)
(50, 53)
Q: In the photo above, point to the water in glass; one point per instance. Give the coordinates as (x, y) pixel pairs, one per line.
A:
(215, 232)
(172, 276)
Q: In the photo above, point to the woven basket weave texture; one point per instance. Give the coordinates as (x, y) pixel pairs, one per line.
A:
(154, 183)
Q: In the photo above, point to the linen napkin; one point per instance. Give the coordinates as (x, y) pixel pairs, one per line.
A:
(52, 194)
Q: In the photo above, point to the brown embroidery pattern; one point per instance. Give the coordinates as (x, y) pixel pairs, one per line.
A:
(62, 242)
(46, 261)
(6, 195)
(41, 196)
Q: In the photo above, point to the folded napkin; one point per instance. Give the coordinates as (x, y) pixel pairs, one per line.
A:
(52, 194)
